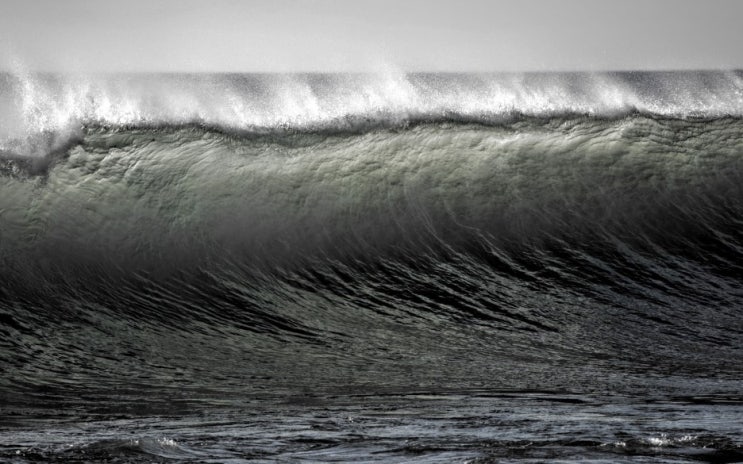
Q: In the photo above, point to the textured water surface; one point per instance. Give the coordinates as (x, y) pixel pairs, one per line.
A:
(381, 268)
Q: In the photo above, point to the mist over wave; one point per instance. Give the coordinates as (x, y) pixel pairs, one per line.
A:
(40, 112)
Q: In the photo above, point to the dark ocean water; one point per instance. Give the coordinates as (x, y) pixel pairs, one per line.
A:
(371, 268)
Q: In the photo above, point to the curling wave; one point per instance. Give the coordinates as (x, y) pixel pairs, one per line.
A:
(40, 112)
(572, 232)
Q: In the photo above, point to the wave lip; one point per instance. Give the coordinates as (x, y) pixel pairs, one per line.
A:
(39, 104)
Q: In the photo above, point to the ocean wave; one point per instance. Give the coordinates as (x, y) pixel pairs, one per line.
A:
(556, 236)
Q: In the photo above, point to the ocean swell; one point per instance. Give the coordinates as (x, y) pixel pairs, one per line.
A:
(576, 224)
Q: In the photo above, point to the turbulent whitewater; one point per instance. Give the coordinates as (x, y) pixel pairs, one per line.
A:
(477, 266)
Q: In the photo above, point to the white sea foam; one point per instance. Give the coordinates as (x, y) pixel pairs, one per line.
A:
(36, 104)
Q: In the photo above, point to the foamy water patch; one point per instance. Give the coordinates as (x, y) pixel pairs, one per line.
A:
(38, 104)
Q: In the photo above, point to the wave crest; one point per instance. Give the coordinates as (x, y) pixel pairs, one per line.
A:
(37, 104)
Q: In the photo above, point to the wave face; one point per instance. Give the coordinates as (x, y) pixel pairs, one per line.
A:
(222, 236)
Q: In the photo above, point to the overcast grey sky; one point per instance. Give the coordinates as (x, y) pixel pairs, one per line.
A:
(338, 35)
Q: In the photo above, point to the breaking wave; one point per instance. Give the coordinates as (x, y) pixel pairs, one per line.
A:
(337, 228)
